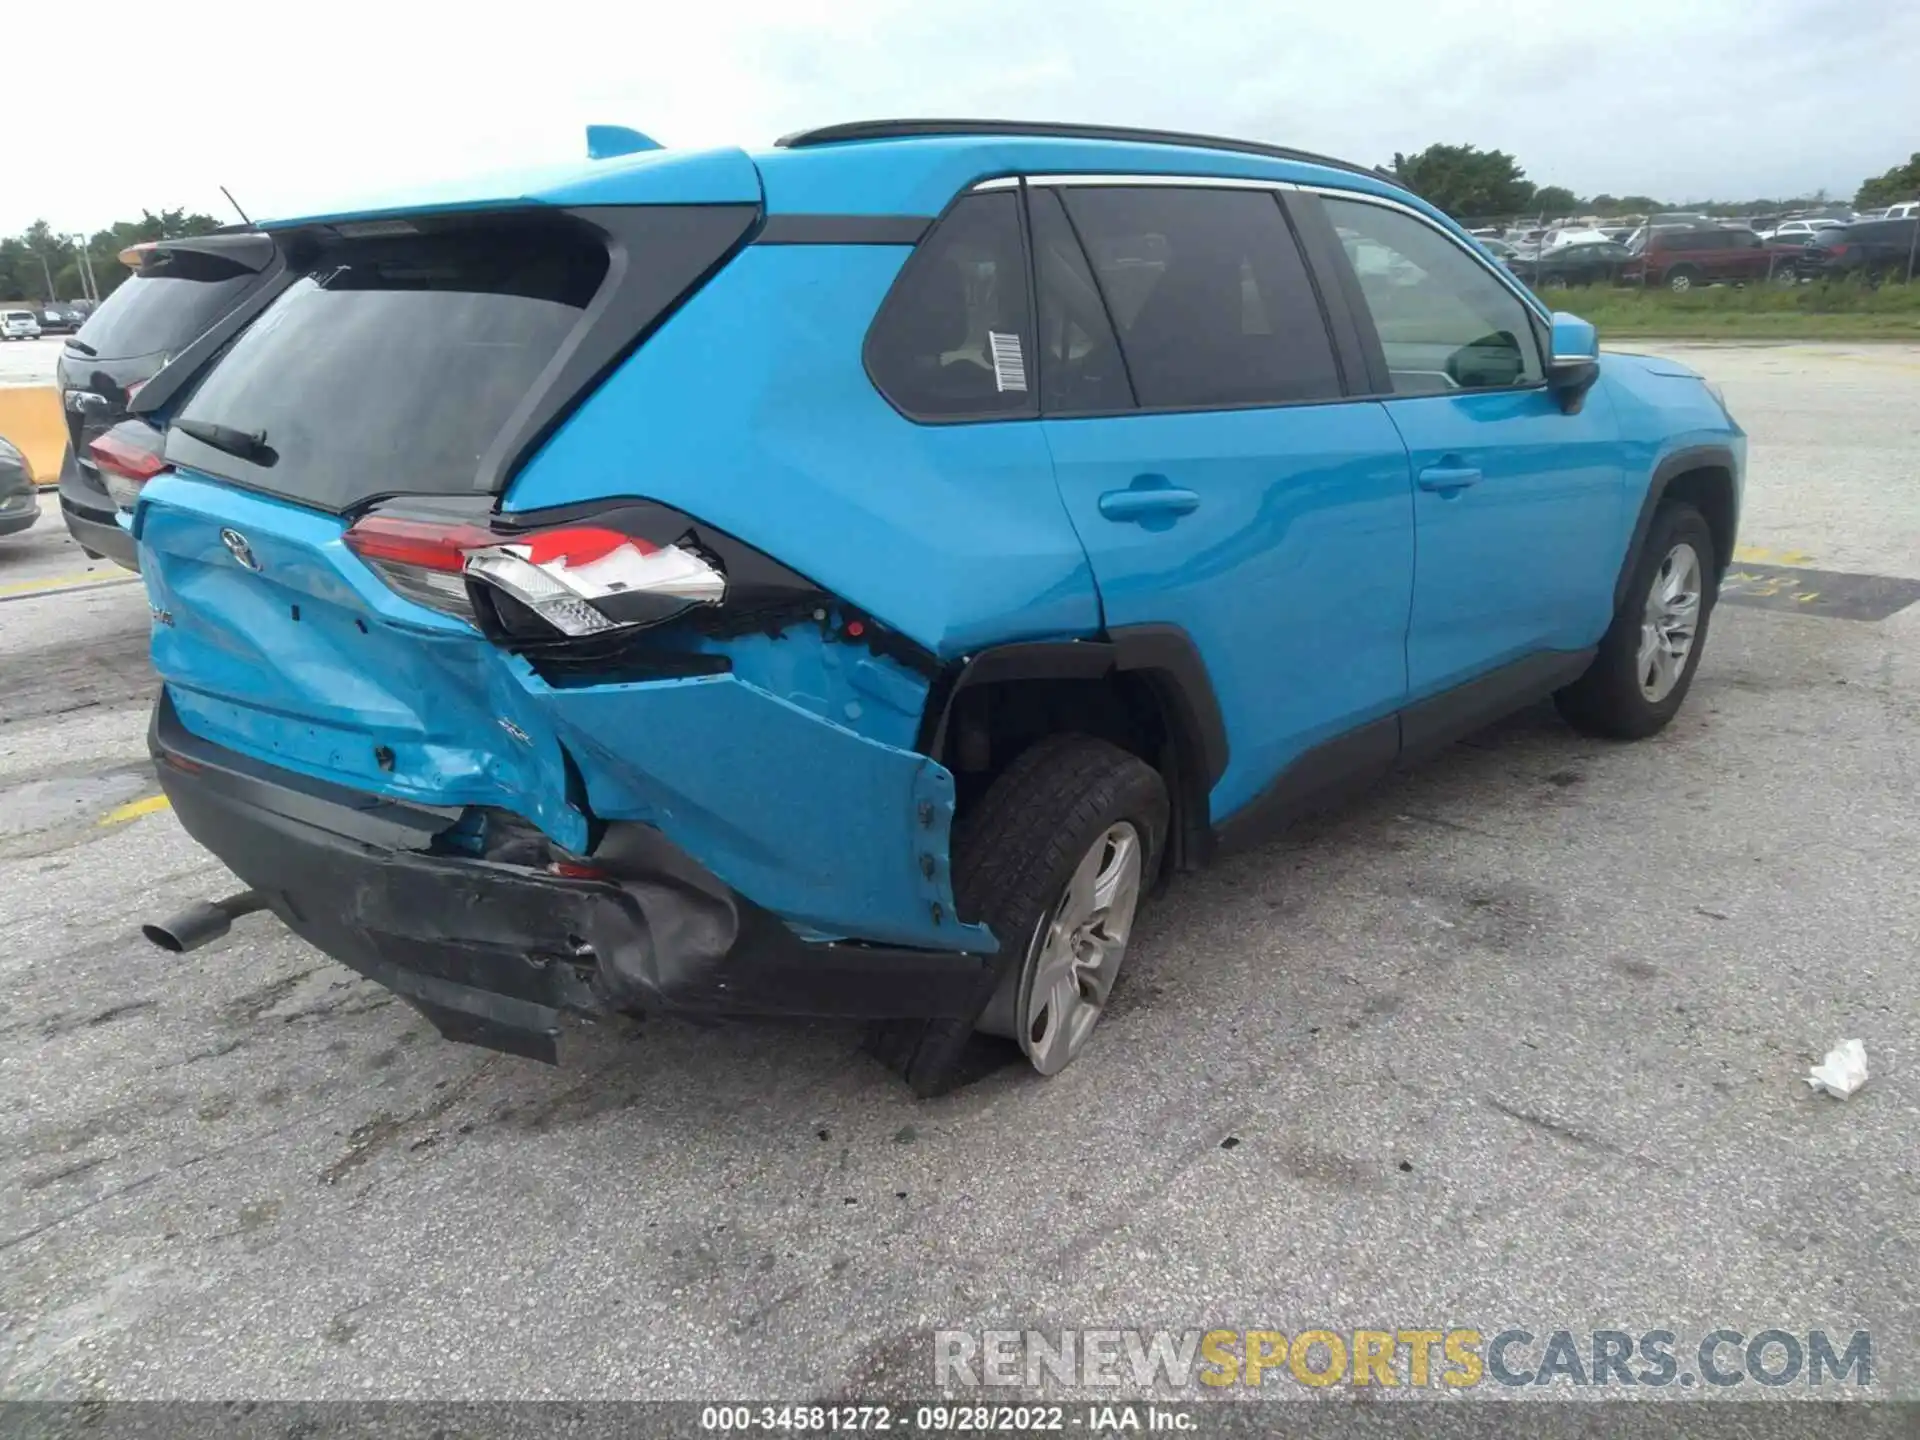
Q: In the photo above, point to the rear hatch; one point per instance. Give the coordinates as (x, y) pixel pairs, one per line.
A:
(406, 372)
(179, 291)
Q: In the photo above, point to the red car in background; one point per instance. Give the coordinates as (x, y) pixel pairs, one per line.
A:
(1685, 256)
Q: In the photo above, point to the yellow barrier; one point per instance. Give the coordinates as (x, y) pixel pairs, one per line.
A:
(30, 417)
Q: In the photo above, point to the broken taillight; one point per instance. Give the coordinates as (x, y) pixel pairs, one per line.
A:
(579, 579)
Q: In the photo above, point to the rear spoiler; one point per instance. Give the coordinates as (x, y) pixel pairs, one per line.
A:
(248, 249)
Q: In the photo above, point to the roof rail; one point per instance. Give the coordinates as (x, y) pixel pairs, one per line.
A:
(906, 129)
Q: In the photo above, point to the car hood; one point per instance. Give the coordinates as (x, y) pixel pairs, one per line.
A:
(1657, 365)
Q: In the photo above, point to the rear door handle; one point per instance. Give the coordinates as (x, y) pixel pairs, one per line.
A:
(1144, 504)
(1448, 479)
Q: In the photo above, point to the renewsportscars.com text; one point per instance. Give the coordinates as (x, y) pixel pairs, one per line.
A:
(1449, 1357)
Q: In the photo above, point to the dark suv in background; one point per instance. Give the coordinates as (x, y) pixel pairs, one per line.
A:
(184, 300)
(1682, 257)
(1875, 250)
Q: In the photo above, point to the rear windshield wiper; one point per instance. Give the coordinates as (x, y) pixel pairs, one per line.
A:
(250, 445)
(82, 347)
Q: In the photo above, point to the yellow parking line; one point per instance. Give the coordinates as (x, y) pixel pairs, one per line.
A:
(133, 810)
(63, 582)
(1762, 555)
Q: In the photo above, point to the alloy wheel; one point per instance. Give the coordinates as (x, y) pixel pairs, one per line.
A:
(1669, 623)
(1076, 952)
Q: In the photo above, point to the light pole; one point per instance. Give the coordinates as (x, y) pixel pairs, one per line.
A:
(86, 267)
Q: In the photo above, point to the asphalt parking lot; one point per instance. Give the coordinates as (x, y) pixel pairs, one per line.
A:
(1517, 1040)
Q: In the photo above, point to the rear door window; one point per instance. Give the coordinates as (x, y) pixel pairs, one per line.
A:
(393, 363)
(954, 337)
(165, 307)
(1209, 295)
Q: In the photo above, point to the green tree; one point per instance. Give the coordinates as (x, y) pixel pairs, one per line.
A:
(1555, 200)
(28, 260)
(1626, 205)
(1902, 182)
(1465, 181)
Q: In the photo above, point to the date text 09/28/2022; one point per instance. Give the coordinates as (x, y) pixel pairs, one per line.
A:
(962, 1419)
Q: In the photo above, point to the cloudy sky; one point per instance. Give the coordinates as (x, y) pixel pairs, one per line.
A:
(292, 105)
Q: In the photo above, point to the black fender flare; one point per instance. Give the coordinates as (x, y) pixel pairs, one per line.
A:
(1163, 655)
(1680, 462)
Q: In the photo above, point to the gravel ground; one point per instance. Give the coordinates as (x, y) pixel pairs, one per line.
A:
(1516, 1041)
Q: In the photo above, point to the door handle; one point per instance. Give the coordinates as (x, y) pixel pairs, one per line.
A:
(1145, 504)
(1448, 479)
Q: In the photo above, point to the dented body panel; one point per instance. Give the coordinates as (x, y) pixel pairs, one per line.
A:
(791, 779)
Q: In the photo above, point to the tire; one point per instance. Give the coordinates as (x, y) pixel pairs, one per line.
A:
(1614, 697)
(1682, 278)
(1014, 855)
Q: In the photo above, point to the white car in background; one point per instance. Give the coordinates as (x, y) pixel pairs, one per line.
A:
(1802, 230)
(19, 325)
(1571, 235)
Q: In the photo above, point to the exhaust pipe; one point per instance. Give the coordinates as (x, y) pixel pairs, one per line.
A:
(198, 924)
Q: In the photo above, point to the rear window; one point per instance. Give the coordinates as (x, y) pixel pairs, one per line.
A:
(166, 306)
(393, 363)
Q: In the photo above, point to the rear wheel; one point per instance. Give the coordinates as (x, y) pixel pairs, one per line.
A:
(1647, 658)
(1054, 859)
(1682, 278)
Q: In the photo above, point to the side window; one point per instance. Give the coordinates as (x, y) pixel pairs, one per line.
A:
(1444, 320)
(1081, 368)
(954, 339)
(1209, 294)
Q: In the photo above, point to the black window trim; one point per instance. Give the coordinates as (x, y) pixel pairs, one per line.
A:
(1362, 318)
(1345, 337)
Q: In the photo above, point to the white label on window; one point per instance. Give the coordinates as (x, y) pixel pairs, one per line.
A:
(1009, 370)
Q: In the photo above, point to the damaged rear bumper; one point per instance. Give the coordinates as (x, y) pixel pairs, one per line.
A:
(492, 952)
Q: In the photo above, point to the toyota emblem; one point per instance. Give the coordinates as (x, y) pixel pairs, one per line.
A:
(238, 547)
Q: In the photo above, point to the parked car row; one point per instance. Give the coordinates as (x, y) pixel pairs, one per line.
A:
(27, 322)
(1681, 257)
(1676, 257)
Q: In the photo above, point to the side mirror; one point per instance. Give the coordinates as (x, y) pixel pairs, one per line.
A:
(1574, 362)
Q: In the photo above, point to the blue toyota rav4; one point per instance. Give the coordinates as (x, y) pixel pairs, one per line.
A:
(843, 579)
